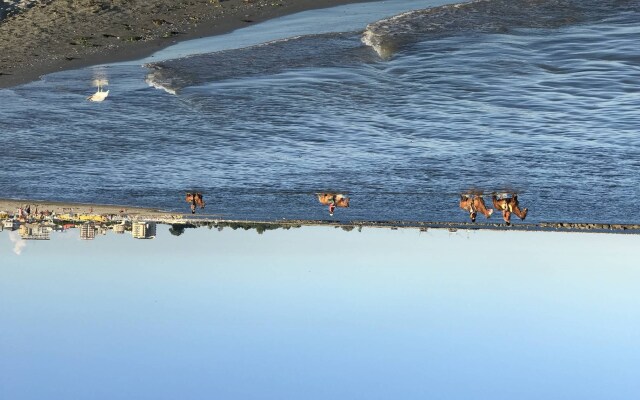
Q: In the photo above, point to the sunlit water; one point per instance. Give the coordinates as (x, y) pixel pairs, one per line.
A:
(319, 313)
(544, 103)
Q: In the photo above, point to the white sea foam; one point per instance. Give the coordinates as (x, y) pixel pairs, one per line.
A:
(151, 81)
(386, 35)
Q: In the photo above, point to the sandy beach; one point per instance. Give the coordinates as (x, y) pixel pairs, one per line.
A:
(10, 207)
(45, 36)
(204, 219)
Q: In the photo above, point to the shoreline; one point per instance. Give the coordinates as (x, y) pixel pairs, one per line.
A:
(187, 219)
(56, 36)
(59, 207)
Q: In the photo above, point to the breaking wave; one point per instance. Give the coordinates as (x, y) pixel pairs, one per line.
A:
(386, 37)
(389, 35)
(326, 50)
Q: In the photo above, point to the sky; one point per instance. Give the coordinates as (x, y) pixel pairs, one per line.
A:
(321, 313)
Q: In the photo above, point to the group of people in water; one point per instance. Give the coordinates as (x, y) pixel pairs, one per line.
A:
(196, 200)
(333, 200)
(507, 204)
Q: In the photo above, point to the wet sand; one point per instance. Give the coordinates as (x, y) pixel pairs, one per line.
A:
(54, 35)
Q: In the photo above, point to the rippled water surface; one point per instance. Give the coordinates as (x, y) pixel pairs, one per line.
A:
(549, 111)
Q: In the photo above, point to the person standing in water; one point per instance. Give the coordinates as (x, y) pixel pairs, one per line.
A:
(333, 200)
(332, 207)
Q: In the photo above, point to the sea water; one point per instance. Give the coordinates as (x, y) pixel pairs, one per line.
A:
(538, 97)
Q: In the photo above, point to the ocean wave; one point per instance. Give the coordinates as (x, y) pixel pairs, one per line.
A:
(389, 35)
(162, 78)
(386, 37)
(324, 50)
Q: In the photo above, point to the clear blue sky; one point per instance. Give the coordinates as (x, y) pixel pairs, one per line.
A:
(319, 313)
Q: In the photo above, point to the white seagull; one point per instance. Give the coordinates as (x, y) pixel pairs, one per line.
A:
(100, 95)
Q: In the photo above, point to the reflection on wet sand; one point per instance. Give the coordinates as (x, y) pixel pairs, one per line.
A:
(333, 200)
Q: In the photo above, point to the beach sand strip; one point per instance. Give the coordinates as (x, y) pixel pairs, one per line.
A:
(10, 206)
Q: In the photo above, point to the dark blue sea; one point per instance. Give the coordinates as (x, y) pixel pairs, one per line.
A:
(536, 97)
